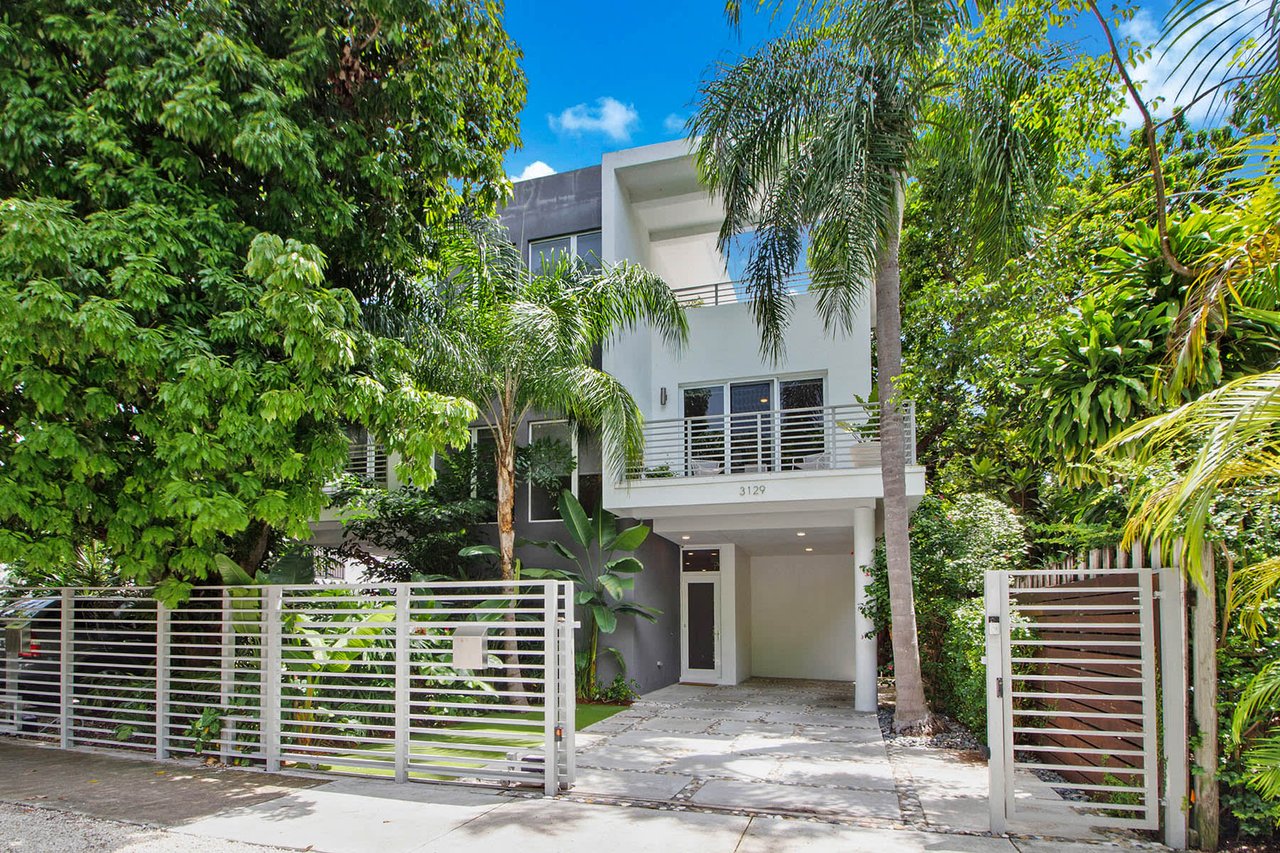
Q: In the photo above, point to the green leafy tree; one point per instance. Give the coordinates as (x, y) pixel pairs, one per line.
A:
(600, 578)
(815, 136)
(422, 530)
(518, 342)
(205, 211)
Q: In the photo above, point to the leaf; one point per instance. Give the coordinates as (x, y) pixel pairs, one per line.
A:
(626, 565)
(553, 574)
(649, 613)
(231, 572)
(615, 585)
(552, 545)
(575, 519)
(629, 539)
(479, 551)
(605, 618)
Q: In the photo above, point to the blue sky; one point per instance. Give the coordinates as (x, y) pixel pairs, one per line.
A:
(609, 75)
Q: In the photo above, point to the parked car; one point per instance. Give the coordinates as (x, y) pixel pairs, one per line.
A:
(112, 637)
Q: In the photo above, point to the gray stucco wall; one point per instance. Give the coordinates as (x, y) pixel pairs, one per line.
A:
(651, 650)
(563, 203)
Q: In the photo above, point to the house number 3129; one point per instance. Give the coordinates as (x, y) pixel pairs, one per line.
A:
(750, 491)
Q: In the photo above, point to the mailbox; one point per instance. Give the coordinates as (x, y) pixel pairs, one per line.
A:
(17, 637)
(471, 646)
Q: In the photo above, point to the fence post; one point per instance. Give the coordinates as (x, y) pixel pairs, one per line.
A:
(550, 681)
(1173, 686)
(162, 679)
(402, 744)
(271, 675)
(995, 590)
(568, 665)
(227, 681)
(66, 664)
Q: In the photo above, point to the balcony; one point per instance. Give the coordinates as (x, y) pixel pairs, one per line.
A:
(731, 292)
(368, 461)
(824, 438)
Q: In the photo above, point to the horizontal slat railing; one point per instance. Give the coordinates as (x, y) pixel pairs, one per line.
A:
(335, 678)
(820, 438)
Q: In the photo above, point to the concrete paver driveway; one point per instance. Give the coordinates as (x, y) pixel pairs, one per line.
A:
(767, 745)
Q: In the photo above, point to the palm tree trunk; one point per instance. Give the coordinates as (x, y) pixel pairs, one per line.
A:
(506, 441)
(507, 505)
(911, 711)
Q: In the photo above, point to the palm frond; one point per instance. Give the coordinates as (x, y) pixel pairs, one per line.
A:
(1236, 38)
(1234, 432)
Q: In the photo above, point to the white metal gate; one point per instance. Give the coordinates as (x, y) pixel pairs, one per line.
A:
(1072, 699)
(450, 681)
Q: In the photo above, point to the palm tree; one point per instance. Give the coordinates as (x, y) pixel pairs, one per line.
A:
(517, 342)
(814, 137)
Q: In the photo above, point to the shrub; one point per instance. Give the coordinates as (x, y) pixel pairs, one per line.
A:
(953, 544)
(961, 689)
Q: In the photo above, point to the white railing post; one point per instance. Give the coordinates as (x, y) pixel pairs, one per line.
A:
(402, 675)
(1173, 705)
(66, 656)
(568, 666)
(996, 594)
(550, 683)
(227, 681)
(271, 677)
(162, 679)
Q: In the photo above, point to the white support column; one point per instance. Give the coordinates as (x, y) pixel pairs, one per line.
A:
(864, 642)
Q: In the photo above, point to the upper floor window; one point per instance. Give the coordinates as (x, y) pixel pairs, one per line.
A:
(585, 246)
(366, 458)
(754, 426)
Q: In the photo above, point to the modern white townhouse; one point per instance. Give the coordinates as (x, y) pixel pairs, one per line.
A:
(760, 480)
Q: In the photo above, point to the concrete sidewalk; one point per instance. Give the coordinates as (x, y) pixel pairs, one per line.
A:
(178, 806)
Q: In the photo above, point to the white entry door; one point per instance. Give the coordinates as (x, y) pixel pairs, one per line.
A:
(700, 616)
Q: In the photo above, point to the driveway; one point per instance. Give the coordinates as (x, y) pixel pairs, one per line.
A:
(772, 746)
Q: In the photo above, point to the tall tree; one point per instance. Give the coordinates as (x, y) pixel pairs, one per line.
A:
(816, 134)
(201, 205)
(518, 342)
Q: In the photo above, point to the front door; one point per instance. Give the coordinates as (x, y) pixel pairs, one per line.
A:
(700, 615)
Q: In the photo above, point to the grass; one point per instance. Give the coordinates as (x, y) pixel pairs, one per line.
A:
(448, 745)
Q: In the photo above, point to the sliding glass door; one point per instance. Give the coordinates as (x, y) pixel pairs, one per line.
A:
(767, 425)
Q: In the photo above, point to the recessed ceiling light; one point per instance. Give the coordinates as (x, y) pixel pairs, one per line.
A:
(808, 549)
(799, 532)
(764, 399)
(686, 538)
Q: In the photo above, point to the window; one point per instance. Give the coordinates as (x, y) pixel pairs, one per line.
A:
(546, 253)
(366, 458)
(700, 560)
(550, 436)
(768, 425)
(590, 485)
(484, 468)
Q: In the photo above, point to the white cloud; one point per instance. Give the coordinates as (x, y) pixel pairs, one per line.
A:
(673, 124)
(536, 169)
(1175, 71)
(609, 116)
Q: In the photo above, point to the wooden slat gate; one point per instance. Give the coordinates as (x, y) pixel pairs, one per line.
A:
(1073, 717)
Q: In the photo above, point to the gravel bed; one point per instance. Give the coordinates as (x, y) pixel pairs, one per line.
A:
(40, 830)
(949, 734)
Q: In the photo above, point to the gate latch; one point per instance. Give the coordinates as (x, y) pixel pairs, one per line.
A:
(993, 625)
(1000, 687)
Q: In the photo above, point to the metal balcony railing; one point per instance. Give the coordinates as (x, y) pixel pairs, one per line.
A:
(731, 292)
(820, 438)
(368, 461)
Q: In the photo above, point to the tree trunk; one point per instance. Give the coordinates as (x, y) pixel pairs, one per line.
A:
(507, 504)
(911, 711)
(506, 452)
(1204, 677)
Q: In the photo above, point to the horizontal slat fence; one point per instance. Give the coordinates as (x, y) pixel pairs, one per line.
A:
(334, 678)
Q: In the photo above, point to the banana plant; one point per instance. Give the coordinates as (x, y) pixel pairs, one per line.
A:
(601, 579)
